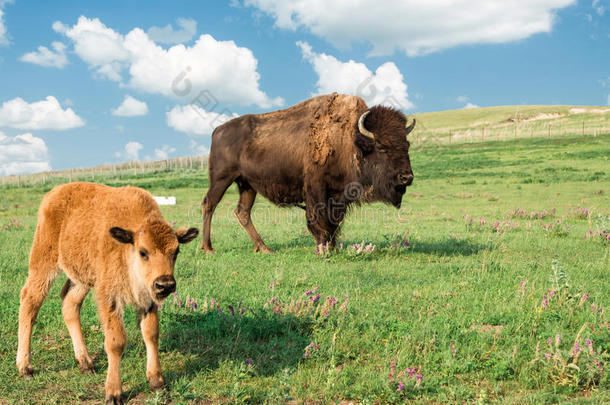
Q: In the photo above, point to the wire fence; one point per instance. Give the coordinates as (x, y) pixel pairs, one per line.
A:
(509, 131)
(420, 138)
(97, 173)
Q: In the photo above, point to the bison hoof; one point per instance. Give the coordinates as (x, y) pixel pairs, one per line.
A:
(114, 400)
(208, 251)
(26, 372)
(263, 249)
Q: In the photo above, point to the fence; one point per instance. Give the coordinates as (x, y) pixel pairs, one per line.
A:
(419, 138)
(507, 132)
(133, 168)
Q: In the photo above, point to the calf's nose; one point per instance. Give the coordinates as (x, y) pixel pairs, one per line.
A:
(165, 284)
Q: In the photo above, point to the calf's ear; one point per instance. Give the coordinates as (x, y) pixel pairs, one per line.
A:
(121, 235)
(187, 235)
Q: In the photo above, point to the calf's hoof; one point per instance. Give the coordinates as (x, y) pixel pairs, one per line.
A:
(86, 367)
(156, 382)
(114, 400)
(26, 372)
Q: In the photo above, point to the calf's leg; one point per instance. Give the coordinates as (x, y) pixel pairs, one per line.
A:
(42, 272)
(149, 325)
(72, 296)
(115, 340)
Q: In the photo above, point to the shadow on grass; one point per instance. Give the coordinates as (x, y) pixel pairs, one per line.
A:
(449, 247)
(273, 342)
(444, 247)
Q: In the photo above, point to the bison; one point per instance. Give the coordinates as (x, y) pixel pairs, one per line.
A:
(115, 241)
(323, 155)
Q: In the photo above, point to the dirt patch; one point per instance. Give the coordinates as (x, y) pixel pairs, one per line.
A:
(489, 329)
(538, 117)
(589, 110)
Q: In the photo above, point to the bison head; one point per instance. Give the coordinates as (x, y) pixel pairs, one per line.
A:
(382, 137)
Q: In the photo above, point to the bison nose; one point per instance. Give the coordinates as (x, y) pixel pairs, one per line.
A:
(406, 179)
(165, 285)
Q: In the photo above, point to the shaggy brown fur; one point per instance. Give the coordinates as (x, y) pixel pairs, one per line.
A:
(310, 153)
(111, 239)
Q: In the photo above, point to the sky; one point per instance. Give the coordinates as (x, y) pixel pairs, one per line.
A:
(89, 83)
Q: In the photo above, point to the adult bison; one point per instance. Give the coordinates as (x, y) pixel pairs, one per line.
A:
(327, 152)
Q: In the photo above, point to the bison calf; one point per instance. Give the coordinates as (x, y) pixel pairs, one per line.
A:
(116, 241)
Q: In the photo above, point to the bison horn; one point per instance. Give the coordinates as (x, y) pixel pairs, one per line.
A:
(410, 127)
(361, 127)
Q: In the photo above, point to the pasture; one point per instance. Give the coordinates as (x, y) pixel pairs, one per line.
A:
(489, 285)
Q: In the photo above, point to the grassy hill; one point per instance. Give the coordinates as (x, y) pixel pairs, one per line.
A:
(496, 250)
(480, 124)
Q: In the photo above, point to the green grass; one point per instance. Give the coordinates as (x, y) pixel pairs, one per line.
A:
(508, 122)
(451, 303)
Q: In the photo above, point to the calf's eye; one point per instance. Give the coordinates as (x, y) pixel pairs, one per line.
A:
(144, 254)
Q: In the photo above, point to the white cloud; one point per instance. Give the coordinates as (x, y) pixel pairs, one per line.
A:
(385, 86)
(599, 8)
(46, 57)
(3, 39)
(3, 33)
(198, 149)
(23, 154)
(461, 99)
(221, 68)
(470, 105)
(99, 46)
(44, 114)
(414, 26)
(164, 152)
(130, 152)
(130, 107)
(196, 121)
(167, 34)
(608, 101)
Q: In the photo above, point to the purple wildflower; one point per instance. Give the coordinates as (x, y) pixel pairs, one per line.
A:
(401, 386)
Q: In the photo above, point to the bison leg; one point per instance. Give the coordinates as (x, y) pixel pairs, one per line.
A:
(149, 325)
(324, 216)
(247, 195)
(208, 205)
(115, 340)
(318, 222)
(42, 272)
(73, 296)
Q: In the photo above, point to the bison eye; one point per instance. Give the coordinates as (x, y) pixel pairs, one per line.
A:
(143, 254)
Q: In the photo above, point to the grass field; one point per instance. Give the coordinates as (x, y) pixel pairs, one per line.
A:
(475, 291)
(510, 122)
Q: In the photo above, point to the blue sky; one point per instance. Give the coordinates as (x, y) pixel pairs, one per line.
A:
(149, 79)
